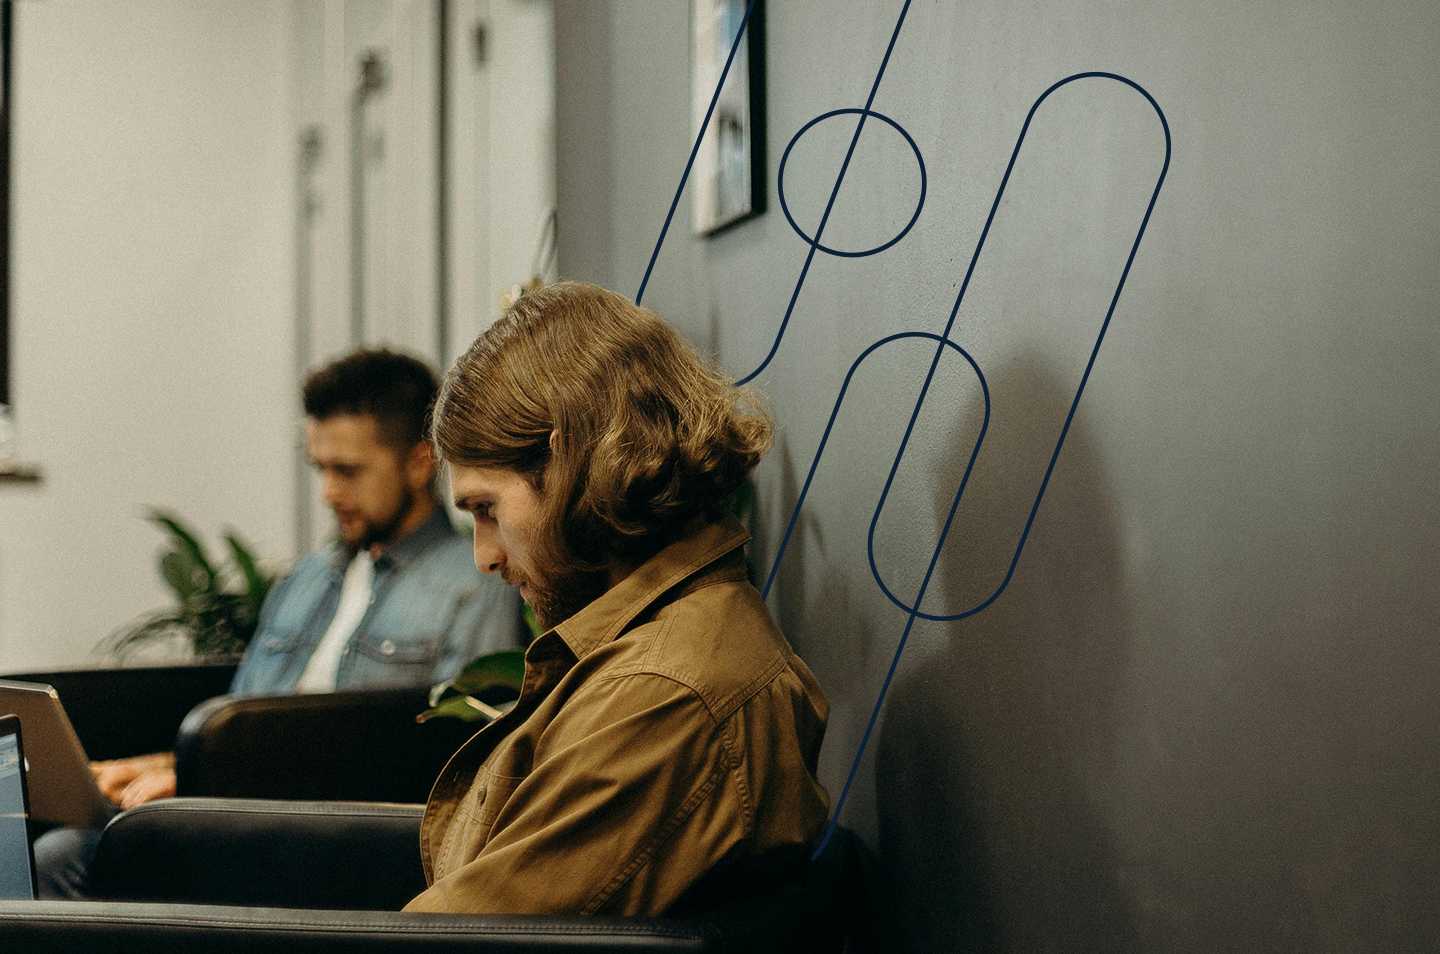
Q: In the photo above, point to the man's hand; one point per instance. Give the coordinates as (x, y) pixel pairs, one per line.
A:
(117, 775)
(153, 784)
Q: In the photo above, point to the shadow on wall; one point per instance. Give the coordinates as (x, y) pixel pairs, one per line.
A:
(998, 730)
(793, 598)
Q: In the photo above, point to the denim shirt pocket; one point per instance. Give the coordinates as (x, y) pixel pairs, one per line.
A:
(395, 659)
(267, 664)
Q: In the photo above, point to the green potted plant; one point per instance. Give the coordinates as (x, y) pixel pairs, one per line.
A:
(217, 606)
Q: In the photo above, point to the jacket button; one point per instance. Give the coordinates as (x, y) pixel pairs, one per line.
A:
(387, 648)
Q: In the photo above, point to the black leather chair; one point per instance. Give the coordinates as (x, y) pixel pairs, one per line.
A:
(361, 745)
(202, 875)
(262, 853)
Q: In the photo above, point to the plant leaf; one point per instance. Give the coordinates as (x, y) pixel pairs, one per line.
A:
(187, 541)
(532, 623)
(149, 627)
(505, 668)
(257, 583)
(178, 571)
(494, 670)
(455, 707)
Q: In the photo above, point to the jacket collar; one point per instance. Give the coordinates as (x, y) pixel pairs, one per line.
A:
(608, 615)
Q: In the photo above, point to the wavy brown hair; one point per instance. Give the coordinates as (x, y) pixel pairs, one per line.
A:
(646, 436)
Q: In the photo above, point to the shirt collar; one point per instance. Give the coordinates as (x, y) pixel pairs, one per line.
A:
(435, 528)
(607, 616)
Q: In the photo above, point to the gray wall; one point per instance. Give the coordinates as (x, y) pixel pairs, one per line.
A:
(1202, 716)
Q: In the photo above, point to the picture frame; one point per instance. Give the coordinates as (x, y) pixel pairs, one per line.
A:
(727, 183)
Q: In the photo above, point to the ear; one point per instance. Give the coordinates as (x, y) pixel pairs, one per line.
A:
(554, 440)
(420, 465)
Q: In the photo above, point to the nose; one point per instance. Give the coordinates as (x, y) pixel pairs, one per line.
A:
(330, 490)
(489, 558)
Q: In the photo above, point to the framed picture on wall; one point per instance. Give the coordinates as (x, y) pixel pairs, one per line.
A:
(727, 183)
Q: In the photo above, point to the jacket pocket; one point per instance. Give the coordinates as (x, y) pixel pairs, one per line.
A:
(474, 820)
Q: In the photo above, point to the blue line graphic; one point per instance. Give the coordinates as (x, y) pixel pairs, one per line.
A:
(942, 342)
(814, 243)
(695, 149)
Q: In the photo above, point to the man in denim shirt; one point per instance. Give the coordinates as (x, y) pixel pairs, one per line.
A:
(394, 601)
(429, 614)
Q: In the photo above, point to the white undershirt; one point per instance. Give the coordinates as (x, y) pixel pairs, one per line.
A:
(324, 664)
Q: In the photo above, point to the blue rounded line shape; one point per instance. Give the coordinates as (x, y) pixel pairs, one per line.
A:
(913, 612)
(830, 204)
(1055, 455)
(820, 231)
(943, 341)
(785, 207)
(835, 414)
(941, 344)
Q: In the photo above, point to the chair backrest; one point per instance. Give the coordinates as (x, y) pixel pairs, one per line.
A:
(153, 699)
(358, 746)
(335, 855)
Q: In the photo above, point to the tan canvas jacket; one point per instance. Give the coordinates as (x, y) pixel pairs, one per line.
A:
(663, 729)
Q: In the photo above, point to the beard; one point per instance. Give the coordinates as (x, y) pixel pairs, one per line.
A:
(383, 531)
(558, 596)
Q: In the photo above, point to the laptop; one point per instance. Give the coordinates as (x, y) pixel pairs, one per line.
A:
(17, 858)
(62, 788)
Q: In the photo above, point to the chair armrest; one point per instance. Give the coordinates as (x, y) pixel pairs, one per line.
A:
(63, 927)
(362, 856)
(812, 907)
(154, 699)
(362, 746)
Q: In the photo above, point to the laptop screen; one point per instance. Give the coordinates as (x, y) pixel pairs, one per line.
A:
(17, 876)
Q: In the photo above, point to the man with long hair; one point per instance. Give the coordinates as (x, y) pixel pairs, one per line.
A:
(666, 730)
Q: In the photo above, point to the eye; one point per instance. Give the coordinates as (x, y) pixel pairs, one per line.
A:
(478, 509)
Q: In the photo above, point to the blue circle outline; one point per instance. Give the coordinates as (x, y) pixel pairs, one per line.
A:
(785, 158)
